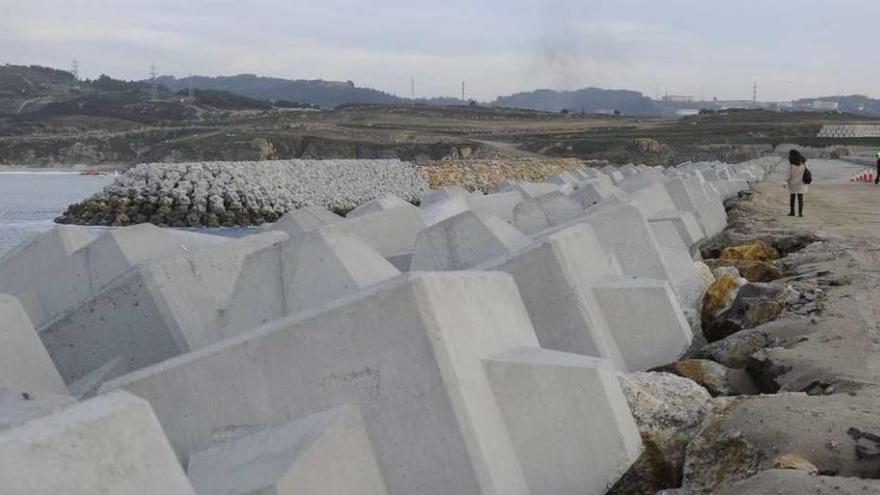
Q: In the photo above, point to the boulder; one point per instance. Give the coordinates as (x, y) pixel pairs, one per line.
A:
(668, 410)
(756, 251)
(752, 306)
(734, 350)
(719, 296)
(717, 379)
(751, 270)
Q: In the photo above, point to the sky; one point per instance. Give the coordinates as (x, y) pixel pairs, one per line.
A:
(710, 48)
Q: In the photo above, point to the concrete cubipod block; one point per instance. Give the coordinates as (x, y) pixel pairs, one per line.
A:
(39, 274)
(443, 194)
(649, 326)
(623, 230)
(500, 205)
(390, 232)
(411, 355)
(666, 234)
(116, 251)
(17, 407)
(689, 196)
(302, 220)
(595, 190)
(155, 311)
(77, 275)
(565, 180)
(538, 214)
(463, 241)
(110, 444)
(87, 386)
(689, 229)
(306, 272)
(536, 189)
(651, 199)
(24, 363)
(438, 211)
(589, 455)
(384, 202)
(555, 278)
(325, 453)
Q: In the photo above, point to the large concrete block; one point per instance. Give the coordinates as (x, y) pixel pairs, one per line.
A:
(409, 353)
(390, 232)
(384, 202)
(688, 195)
(555, 278)
(500, 205)
(537, 214)
(306, 272)
(111, 444)
(651, 200)
(689, 229)
(39, 274)
(649, 326)
(465, 240)
(596, 440)
(438, 211)
(536, 189)
(155, 311)
(624, 232)
(24, 363)
(303, 220)
(325, 453)
(17, 407)
(77, 275)
(444, 194)
(595, 191)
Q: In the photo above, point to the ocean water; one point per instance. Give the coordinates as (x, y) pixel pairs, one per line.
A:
(30, 200)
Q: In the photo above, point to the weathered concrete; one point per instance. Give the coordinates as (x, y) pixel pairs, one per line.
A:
(595, 190)
(49, 279)
(411, 354)
(303, 220)
(648, 324)
(465, 240)
(17, 407)
(306, 272)
(537, 214)
(500, 205)
(322, 454)
(24, 363)
(555, 278)
(688, 195)
(385, 202)
(111, 444)
(565, 454)
(155, 311)
(689, 229)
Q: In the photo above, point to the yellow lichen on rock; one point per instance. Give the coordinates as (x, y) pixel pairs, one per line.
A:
(719, 296)
(756, 251)
(795, 461)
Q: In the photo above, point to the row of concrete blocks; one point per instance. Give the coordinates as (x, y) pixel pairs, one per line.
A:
(305, 361)
(849, 131)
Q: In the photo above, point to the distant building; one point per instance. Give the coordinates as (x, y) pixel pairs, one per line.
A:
(678, 98)
(824, 105)
(684, 112)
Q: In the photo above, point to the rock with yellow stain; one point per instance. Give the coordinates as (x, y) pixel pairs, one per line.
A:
(719, 296)
(756, 251)
(795, 461)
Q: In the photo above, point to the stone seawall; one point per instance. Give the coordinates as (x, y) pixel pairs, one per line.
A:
(242, 193)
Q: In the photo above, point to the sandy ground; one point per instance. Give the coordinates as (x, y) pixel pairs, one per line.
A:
(828, 364)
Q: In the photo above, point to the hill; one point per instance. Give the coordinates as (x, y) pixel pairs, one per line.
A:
(583, 100)
(325, 94)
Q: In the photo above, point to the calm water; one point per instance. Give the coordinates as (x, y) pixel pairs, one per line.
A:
(29, 201)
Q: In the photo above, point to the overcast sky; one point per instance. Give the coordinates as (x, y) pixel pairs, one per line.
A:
(792, 48)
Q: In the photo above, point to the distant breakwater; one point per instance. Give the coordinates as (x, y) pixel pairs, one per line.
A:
(214, 194)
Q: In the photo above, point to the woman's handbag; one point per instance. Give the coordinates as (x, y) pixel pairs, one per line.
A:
(808, 176)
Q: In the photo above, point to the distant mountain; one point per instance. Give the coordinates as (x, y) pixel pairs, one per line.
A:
(326, 94)
(587, 100)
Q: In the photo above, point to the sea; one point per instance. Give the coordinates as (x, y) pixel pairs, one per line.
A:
(31, 199)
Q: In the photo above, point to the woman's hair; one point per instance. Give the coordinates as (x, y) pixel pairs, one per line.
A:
(796, 158)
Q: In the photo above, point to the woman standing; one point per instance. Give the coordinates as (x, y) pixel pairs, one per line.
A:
(795, 179)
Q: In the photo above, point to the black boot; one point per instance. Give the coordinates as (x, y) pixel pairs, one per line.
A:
(791, 205)
(800, 198)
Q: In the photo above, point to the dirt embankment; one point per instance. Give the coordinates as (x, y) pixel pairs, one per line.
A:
(793, 362)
